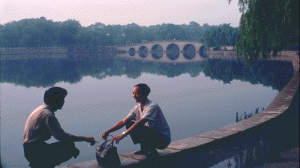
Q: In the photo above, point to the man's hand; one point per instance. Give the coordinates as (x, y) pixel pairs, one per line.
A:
(91, 140)
(117, 138)
(104, 135)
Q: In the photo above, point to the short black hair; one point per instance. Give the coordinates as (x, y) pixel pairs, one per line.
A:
(144, 89)
(53, 94)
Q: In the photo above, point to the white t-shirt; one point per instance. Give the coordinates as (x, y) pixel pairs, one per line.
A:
(153, 113)
(41, 125)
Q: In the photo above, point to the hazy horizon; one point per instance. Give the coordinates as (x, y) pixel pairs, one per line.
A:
(123, 12)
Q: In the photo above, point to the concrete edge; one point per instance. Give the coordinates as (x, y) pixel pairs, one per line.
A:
(277, 107)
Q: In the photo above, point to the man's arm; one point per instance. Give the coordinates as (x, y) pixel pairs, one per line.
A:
(83, 138)
(138, 123)
(117, 126)
(60, 134)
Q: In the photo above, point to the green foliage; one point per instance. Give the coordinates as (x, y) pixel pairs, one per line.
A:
(171, 32)
(67, 32)
(40, 32)
(2, 41)
(267, 25)
(223, 35)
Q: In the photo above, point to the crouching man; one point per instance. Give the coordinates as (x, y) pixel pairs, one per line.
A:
(150, 128)
(41, 125)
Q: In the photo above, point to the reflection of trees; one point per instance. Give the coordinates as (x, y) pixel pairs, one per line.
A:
(269, 73)
(44, 73)
(267, 150)
(39, 73)
(257, 155)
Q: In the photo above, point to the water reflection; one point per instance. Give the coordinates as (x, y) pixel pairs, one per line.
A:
(45, 73)
(263, 144)
(94, 99)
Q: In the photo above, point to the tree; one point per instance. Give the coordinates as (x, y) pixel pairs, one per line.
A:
(68, 31)
(84, 36)
(40, 32)
(267, 25)
(171, 32)
(193, 31)
(11, 34)
(2, 42)
(133, 33)
(222, 35)
(233, 37)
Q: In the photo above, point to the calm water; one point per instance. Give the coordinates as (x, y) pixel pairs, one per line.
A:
(194, 97)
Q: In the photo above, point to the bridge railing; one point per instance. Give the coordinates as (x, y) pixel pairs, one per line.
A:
(163, 41)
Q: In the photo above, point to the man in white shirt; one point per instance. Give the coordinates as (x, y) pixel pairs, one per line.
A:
(41, 125)
(151, 129)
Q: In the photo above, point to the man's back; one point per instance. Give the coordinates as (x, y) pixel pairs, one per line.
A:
(36, 128)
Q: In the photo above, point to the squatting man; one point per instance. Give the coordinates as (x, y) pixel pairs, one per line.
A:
(41, 125)
(150, 128)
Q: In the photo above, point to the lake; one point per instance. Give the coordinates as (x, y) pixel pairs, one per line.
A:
(194, 97)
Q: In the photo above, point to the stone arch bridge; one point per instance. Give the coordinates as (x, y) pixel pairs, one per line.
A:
(165, 51)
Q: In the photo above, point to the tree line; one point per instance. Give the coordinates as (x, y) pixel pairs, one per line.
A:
(266, 27)
(41, 32)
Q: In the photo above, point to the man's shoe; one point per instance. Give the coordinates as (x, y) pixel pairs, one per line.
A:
(141, 152)
(153, 154)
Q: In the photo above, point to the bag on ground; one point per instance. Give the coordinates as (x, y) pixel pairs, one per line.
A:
(107, 154)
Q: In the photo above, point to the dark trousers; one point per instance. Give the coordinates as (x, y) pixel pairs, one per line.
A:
(43, 155)
(147, 137)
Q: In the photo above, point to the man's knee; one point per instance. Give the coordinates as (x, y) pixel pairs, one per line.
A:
(162, 144)
(62, 151)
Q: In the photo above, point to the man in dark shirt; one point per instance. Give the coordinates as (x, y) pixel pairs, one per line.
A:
(41, 125)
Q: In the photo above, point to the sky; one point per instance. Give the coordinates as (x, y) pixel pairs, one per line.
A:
(123, 12)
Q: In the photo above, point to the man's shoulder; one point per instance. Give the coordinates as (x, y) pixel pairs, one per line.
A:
(45, 111)
(40, 113)
(152, 103)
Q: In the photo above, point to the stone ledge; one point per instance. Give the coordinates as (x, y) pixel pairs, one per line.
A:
(178, 148)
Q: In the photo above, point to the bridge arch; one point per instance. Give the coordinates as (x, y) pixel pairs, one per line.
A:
(189, 51)
(202, 52)
(157, 51)
(165, 51)
(143, 51)
(132, 52)
(173, 51)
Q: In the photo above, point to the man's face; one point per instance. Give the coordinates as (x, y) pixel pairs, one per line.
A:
(136, 95)
(60, 102)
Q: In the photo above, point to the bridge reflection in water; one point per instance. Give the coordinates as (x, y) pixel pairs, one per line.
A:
(165, 51)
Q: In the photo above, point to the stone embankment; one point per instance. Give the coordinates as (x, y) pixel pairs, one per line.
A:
(182, 152)
(71, 53)
(33, 53)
